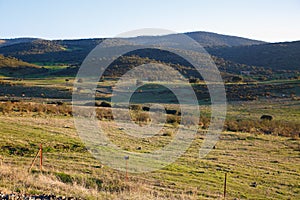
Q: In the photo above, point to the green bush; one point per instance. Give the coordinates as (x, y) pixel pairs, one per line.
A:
(63, 177)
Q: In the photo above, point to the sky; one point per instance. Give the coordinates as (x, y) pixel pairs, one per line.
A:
(267, 20)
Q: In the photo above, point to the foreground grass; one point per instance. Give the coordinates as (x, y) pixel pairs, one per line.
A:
(272, 162)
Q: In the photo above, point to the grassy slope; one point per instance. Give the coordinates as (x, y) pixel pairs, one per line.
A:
(13, 62)
(13, 67)
(270, 161)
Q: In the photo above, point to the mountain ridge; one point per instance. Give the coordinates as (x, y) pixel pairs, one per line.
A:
(200, 36)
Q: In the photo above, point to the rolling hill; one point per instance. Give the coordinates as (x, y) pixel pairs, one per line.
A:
(13, 62)
(276, 56)
(14, 67)
(208, 39)
(205, 39)
(74, 51)
(7, 42)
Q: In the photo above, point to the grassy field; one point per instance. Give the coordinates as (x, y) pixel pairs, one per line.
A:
(259, 161)
(259, 166)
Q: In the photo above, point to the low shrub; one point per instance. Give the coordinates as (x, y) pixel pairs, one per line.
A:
(63, 177)
(105, 104)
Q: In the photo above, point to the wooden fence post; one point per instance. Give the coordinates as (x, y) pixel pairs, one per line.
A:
(126, 160)
(225, 182)
(41, 157)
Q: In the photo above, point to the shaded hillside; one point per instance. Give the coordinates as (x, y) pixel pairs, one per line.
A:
(177, 62)
(10, 66)
(229, 70)
(130, 60)
(14, 62)
(277, 56)
(51, 52)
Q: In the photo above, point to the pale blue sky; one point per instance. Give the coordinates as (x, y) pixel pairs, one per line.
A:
(268, 20)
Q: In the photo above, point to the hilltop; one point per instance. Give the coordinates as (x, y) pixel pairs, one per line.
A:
(208, 39)
(7, 42)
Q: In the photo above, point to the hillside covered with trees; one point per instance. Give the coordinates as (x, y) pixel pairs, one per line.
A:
(278, 56)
